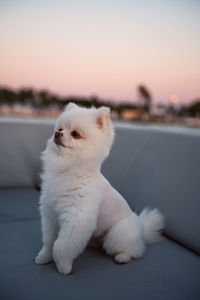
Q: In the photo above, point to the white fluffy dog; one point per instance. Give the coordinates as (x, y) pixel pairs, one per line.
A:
(78, 204)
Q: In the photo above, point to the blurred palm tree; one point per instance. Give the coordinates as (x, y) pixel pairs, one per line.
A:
(145, 96)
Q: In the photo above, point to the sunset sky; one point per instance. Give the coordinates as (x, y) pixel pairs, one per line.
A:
(104, 48)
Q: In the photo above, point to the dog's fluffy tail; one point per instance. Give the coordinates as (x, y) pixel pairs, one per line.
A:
(153, 223)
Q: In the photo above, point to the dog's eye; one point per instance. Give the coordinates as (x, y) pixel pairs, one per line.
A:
(75, 134)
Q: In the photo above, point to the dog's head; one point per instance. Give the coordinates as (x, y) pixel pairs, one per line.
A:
(83, 134)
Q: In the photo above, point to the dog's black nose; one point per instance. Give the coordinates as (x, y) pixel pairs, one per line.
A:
(58, 134)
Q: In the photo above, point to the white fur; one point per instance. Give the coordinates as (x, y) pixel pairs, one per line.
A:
(78, 204)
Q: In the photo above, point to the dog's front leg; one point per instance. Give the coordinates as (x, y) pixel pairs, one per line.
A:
(76, 228)
(49, 234)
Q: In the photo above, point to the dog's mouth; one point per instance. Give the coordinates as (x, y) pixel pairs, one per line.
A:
(58, 142)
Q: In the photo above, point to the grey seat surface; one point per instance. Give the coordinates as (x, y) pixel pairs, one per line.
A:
(167, 271)
(17, 204)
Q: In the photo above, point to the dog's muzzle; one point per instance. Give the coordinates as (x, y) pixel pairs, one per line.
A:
(58, 138)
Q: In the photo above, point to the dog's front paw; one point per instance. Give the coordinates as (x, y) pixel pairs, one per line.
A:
(64, 269)
(122, 258)
(43, 257)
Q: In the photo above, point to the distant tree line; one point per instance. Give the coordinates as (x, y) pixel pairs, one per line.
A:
(43, 99)
(191, 110)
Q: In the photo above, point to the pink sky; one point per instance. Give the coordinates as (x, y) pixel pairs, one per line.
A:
(102, 48)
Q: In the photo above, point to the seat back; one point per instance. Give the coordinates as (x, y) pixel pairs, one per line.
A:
(160, 168)
(21, 144)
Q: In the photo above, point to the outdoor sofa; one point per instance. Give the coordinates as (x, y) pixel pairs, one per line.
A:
(150, 166)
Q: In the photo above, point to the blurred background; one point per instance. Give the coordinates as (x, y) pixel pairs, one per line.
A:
(140, 57)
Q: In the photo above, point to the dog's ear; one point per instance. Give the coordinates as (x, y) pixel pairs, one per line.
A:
(70, 106)
(103, 118)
